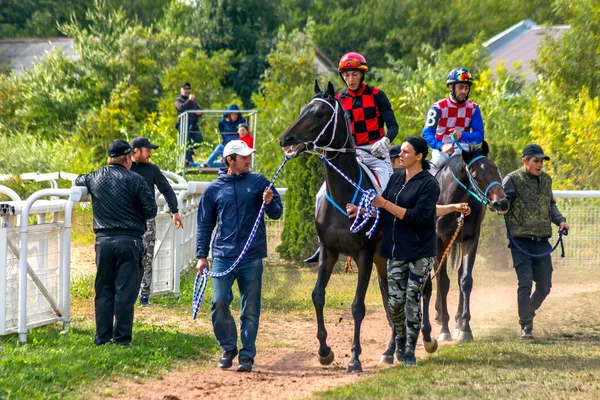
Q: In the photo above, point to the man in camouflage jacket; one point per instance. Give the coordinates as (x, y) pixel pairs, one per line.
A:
(532, 210)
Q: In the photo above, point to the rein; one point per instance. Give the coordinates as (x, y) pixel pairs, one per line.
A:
(461, 222)
(202, 279)
(513, 242)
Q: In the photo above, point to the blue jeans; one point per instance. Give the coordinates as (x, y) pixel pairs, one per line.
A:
(217, 152)
(249, 277)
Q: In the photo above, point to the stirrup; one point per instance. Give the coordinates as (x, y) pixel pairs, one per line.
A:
(314, 258)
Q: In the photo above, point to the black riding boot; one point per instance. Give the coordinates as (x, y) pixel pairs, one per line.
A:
(314, 258)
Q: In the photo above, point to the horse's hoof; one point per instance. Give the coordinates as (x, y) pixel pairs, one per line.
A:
(386, 359)
(445, 337)
(328, 359)
(456, 333)
(430, 346)
(354, 367)
(464, 336)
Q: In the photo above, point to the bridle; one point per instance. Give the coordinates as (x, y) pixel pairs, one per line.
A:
(312, 145)
(475, 191)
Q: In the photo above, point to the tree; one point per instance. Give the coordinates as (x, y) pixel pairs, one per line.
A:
(571, 61)
(286, 86)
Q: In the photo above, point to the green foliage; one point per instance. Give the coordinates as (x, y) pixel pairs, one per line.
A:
(400, 28)
(569, 131)
(571, 61)
(33, 18)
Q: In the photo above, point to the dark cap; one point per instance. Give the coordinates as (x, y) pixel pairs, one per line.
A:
(141, 141)
(119, 148)
(394, 151)
(186, 85)
(536, 151)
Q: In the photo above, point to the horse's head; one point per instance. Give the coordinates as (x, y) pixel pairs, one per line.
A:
(486, 178)
(317, 125)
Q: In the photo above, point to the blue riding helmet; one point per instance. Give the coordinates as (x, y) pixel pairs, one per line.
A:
(459, 75)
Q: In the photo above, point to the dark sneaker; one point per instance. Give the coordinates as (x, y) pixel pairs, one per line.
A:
(226, 360)
(245, 366)
(314, 258)
(526, 332)
(144, 301)
(409, 359)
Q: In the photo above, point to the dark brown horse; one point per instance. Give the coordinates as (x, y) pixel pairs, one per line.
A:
(321, 125)
(457, 187)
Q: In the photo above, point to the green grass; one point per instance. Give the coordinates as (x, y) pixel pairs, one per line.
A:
(564, 363)
(55, 365)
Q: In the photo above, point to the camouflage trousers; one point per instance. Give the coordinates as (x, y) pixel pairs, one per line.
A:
(149, 240)
(406, 279)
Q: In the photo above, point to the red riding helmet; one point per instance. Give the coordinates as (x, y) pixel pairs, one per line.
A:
(353, 61)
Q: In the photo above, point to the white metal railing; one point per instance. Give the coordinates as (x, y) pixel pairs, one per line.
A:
(41, 251)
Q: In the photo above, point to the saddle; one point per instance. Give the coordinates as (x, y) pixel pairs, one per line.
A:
(372, 177)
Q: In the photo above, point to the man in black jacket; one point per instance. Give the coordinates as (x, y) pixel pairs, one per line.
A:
(142, 151)
(122, 202)
(187, 101)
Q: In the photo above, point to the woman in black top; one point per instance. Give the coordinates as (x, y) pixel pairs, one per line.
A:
(409, 240)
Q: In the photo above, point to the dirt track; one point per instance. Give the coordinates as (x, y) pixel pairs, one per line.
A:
(287, 367)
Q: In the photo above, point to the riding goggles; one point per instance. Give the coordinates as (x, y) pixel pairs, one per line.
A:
(350, 64)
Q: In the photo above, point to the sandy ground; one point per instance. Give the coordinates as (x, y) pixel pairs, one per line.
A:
(286, 366)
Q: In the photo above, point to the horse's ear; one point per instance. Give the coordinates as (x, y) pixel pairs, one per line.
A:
(466, 155)
(485, 148)
(317, 88)
(330, 90)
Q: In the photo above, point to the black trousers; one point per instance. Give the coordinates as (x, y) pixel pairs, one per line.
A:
(118, 280)
(531, 269)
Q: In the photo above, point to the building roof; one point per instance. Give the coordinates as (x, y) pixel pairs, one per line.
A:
(21, 54)
(520, 43)
(322, 62)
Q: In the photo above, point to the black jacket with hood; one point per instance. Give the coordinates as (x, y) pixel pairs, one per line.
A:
(413, 236)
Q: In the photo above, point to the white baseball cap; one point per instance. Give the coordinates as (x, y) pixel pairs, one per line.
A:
(237, 147)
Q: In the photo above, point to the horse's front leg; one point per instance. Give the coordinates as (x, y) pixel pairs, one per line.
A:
(463, 315)
(429, 343)
(365, 265)
(443, 287)
(380, 263)
(326, 262)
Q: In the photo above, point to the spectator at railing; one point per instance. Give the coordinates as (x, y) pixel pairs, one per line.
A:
(228, 129)
(187, 101)
(245, 135)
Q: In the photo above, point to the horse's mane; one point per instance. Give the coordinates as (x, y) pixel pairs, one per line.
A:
(457, 164)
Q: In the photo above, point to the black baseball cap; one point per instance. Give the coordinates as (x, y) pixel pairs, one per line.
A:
(394, 151)
(536, 151)
(186, 85)
(141, 141)
(119, 148)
